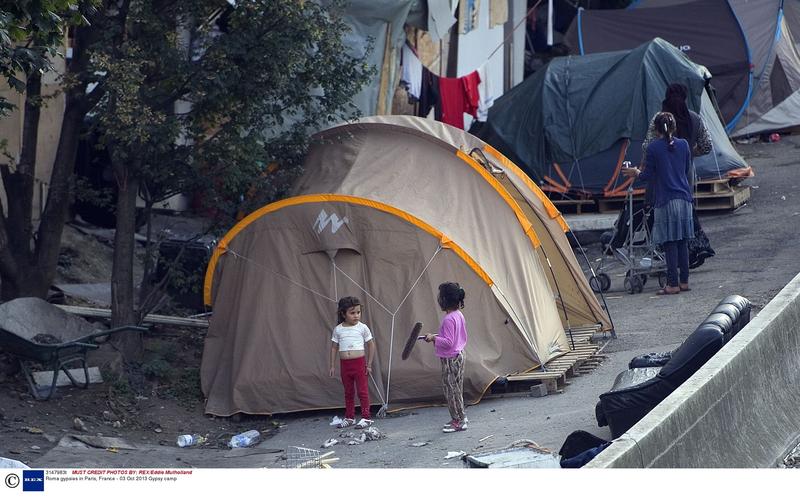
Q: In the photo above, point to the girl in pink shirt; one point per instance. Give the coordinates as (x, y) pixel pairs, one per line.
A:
(449, 345)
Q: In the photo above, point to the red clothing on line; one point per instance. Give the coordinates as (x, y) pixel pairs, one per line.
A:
(470, 83)
(457, 96)
(354, 379)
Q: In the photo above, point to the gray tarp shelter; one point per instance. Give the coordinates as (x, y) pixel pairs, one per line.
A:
(747, 45)
(374, 23)
(573, 123)
(791, 9)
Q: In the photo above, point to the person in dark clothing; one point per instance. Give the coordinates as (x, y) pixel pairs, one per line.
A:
(667, 167)
(689, 126)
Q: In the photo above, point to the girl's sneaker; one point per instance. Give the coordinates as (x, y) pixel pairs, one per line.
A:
(364, 423)
(455, 426)
(346, 422)
(451, 422)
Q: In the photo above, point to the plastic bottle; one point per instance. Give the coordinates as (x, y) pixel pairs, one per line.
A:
(188, 440)
(245, 439)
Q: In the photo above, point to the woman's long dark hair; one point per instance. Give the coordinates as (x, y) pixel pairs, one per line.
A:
(665, 125)
(451, 296)
(675, 103)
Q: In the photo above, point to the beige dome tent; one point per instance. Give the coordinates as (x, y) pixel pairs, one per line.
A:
(384, 212)
(566, 277)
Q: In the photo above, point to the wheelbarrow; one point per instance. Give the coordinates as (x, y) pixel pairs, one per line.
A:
(55, 356)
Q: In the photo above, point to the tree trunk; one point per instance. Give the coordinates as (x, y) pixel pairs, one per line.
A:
(122, 292)
(20, 204)
(27, 282)
(59, 193)
(28, 269)
(19, 273)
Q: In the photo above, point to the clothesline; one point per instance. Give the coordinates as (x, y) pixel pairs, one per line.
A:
(451, 98)
(498, 47)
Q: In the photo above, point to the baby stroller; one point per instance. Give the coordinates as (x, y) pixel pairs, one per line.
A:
(631, 247)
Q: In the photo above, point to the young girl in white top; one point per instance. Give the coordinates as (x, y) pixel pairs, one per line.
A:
(349, 340)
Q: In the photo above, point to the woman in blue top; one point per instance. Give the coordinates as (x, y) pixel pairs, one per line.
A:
(668, 165)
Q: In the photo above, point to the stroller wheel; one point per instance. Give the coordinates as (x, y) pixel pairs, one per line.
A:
(634, 283)
(628, 285)
(662, 279)
(605, 281)
(600, 283)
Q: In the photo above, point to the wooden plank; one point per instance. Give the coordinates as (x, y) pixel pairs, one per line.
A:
(714, 185)
(606, 205)
(535, 376)
(150, 318)
(727, 201)
(552, 386)
(574, 206)
(45, 378)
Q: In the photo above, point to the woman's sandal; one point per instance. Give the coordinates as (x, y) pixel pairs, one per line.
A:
(665, 291)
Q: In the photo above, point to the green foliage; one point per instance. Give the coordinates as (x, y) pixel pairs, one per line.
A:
(119, 386)
(100, 197)
(201, 96)
(164, 366)
(32, 32)
(157, 369)
(186, 386)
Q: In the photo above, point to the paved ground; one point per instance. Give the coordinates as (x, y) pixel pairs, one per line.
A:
(756, 256)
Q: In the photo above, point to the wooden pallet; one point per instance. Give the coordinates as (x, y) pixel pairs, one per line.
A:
(575, 206)
(711, 195)
(614, 204)
(730, 199)
(584, 357)
(714, 186)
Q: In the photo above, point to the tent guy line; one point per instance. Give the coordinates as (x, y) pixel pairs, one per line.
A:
(384, 402)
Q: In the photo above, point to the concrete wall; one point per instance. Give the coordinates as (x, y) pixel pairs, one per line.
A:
(738, 410)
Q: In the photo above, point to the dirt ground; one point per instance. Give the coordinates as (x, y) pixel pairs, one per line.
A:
(757, 255)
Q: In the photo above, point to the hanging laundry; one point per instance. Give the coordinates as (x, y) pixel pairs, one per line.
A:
(440, 18)
(498, 12)
(429, 95)
(412, 72)
(485, 94)
(470, 83)
(458, 95)
(468, 15)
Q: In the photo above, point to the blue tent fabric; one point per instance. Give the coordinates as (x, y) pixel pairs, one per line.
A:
(747, 45)
(581, 112)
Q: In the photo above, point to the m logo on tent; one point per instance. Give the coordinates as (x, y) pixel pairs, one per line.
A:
(323, 220)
